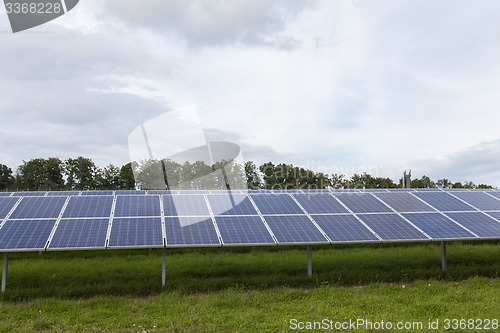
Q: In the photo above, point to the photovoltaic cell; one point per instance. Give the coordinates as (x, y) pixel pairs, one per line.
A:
(80, 233)
(294, 229)
(480, 200)
(6, 205)
(404, 202)
(344, 228)
(39, 207)
(135, 232)
(479, 223)
(362, 203)
(62, 193)
(185, 205)
(130, 192)
(5, 194)
(161, 192)
(391, 227)
(243, 230)
(25, 234)
(235, 204)
(29, 194)
(276, 204)
(443, 201)
(135, 205)
(89, 206)
(190, 231)
(321, 203)
(438, 226)
(97, 192)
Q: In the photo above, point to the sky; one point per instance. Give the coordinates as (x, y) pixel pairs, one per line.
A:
(336, 86)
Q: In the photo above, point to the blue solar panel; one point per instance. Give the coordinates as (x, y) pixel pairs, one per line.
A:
(188, 231)
(62, 193)
(29, 194)
(438, 226)
(25, 234)
(123, 192)
(6, 205)
(362, 202)
(321, 203)
(5, 194)
(161, 192)
(404, 202)
(39, 207)
(235, 204)
(134, 232)
(294, 229)
(344, 228)
(127, 206)
(276, 204)
(479, 223)
(97, 192)
(443, 201)
(185, 205)
(89, 206)
(243, 230)
(80, 233)
(194, 191)
(480, 200)
(391, 227)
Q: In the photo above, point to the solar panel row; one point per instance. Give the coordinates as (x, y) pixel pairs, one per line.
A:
(260, 218)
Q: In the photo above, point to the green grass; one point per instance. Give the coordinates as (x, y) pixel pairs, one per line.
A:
(248, 289)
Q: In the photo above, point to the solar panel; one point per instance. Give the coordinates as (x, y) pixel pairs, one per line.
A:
(123, 192)
(28, 194)
(25, 234)
(89, 206)
(243, 230)
(404, 202)
(276, 204)
(391, 227)
(136, 232)
(97, 192)
(190, 231)
(294, 229)
(443, 201)
(185, 205)
(362, 202)
(437, 226)
(5, 194)
(80, 233)
(128, 206)
(6, 205)
(194, 191)
(479, 200)
(161, 192)
(235, 204)
(39, 207)
(479, 223)
(344, 228)
(320, 203)
(62, 193)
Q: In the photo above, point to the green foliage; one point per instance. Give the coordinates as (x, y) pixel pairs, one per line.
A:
(41, 173)
(424, 182)
(254, 181)
(6, 178)
(81, 173)
(127, 180)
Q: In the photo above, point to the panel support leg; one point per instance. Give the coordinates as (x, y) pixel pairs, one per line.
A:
(163, 268)
(443, 256)
(4, 271)
(309, 261)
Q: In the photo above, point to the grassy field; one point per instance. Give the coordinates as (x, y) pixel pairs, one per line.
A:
(252, 289)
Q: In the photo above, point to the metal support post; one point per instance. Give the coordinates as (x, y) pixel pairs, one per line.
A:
(443, 255)
(163, 268)
(4, 271)
(309, 261)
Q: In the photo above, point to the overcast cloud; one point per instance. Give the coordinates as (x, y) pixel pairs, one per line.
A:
(345, 86)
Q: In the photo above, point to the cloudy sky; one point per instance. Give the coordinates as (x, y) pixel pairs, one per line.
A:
(339, 86)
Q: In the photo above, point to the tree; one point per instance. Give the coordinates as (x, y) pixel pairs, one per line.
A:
(109, 178)
(81, 173)
(424, 182)
(254, 181)
(444, 183)
(6, 178)
(127, 180)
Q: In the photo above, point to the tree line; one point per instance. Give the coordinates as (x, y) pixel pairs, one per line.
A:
(83, 174)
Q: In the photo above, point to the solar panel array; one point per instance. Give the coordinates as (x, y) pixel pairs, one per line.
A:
(35, 221)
